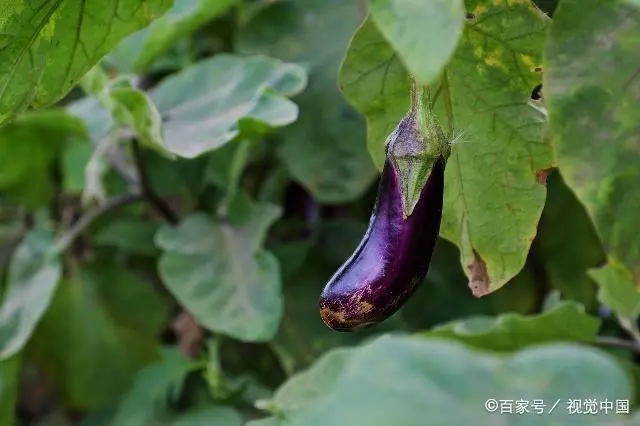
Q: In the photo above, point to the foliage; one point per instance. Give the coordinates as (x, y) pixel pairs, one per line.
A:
(179, 179)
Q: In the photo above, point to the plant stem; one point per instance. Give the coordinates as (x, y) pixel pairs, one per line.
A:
(147, 190)
(238, 165)
(615, 342)
(417, 96)
(77, 228)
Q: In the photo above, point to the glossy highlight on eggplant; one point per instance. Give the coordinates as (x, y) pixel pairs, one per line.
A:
(392, 258)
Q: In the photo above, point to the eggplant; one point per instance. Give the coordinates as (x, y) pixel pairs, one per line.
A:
(393, 256)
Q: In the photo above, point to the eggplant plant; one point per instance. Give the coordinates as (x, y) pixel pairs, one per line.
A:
(394, 254)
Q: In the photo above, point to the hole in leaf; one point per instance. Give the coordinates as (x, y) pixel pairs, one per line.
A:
(536, 93)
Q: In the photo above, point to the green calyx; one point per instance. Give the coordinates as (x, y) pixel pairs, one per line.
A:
(414, 147)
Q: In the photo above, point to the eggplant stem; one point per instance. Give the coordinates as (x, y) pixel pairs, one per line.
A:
(416, 96)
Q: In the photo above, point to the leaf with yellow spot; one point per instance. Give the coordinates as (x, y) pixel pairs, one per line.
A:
(492, 199)
(592, 87)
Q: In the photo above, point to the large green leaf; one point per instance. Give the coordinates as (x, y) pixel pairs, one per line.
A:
(29, 146)
(592, 89)
(138, 52)
(312, 383)
(328, 131)
(568, 244)
(221, 274)
(48, 45)
(34, 272)
(9, 388)
(567, 321)
(205, 106)
(485, 93)
(424, 49)
(100, 329)
(417, 379)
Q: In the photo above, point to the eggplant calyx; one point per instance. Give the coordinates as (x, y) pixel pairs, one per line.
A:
(415, 146)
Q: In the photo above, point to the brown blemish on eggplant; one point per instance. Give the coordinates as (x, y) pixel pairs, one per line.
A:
(364, 307)
(479, 282)
(338, 319)
(332, 318)
(339, 322)
(361, 306)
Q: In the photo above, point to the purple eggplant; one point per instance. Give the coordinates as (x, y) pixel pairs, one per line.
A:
(394, 254)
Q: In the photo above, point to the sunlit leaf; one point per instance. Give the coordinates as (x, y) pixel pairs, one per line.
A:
(204, 105)
(48, 45)
(484, 93)
(221, 274)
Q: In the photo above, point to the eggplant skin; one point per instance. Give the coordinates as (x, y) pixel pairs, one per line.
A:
(391, 260)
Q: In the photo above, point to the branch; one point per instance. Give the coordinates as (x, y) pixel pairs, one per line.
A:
(615, 342)
(147, 190)
(83, 223)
